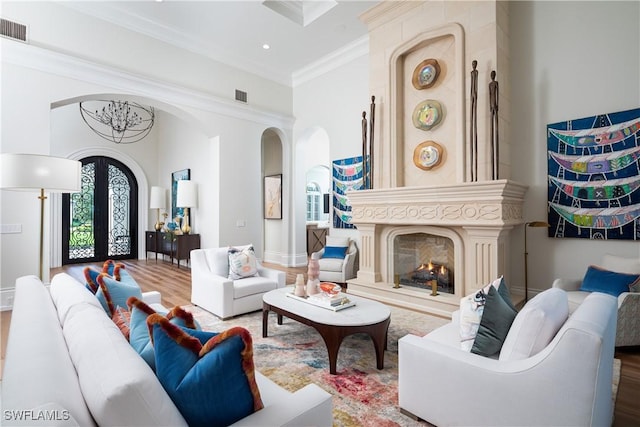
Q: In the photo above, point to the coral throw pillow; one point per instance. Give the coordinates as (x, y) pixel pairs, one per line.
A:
(210, 377)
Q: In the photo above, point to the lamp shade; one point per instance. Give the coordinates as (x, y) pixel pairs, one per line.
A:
(36, 172)
(187, 194)
(158, 198)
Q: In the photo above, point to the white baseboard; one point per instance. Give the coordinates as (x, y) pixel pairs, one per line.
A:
(285, 260)
(6, 299)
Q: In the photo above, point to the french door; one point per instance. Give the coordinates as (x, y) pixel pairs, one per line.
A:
(100, 221)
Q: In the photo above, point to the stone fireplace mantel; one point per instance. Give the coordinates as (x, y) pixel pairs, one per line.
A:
(487, 203)
(477, 216)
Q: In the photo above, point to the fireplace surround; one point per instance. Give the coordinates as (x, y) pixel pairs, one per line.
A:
(475, 214)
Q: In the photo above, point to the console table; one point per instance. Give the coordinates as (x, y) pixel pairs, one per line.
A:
(160, 243)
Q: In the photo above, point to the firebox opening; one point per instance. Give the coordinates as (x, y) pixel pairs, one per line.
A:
(420, 258)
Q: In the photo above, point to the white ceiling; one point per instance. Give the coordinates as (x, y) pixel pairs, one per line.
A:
(233, 32)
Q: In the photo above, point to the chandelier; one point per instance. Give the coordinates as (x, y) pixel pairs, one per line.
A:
(122, 122)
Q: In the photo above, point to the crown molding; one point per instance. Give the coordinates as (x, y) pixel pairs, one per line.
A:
(68, 66)
(335, 59)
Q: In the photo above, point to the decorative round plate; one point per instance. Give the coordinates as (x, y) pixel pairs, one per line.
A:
(427, 114)
(427, 155)
(426, 74)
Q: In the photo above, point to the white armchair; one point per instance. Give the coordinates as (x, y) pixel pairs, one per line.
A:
(567, 383)
(628, 327)
(213, 290)
(338, 270)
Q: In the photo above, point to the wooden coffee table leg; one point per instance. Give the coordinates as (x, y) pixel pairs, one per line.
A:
(265, 320)
(379, 337)
(332, 337)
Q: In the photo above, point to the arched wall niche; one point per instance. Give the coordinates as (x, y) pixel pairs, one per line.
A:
(273, 163)
(446, 45)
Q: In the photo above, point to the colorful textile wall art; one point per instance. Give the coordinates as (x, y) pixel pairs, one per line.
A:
(347, 175)
(594, 177)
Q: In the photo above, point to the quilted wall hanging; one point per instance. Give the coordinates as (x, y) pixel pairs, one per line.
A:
(594, 177)
(347, 175)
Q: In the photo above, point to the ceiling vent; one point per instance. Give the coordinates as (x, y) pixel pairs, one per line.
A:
(13, 30)
(241, 96)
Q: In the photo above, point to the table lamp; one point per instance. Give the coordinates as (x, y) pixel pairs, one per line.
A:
(157, 200)
(187, 197)
(34, 172)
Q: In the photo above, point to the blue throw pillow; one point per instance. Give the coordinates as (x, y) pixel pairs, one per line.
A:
(598, 279)
(139, 331)
(210, 377)
(109, 267)
(113, 293)
(335, 252)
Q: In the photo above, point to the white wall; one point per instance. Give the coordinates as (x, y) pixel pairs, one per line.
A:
(334, 103)
(208, 129)
(568, 60)
(103, 43)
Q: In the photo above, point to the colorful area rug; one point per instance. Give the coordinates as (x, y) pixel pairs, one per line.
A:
(294, 355)
(362, 394)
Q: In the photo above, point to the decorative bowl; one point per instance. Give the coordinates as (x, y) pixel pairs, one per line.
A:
(330, 288)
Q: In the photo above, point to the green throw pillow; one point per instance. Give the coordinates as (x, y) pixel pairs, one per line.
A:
(496, 320)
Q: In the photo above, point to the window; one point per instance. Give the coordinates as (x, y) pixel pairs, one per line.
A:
(314, 201)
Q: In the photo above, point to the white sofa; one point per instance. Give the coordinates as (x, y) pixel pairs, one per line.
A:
(67, 363)
(213, 290)
(567, 383)
(628, 326)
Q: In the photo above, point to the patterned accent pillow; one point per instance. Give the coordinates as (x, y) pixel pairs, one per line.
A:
(471, 310)
(242, 263)
(139, 331)
(122, 319)
(210, 377)
(113, 293)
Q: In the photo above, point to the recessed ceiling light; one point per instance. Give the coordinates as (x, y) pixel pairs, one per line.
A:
(266, 46)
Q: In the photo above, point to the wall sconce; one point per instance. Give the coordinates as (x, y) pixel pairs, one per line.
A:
(526, 274)
(33, 172)
(187, 197)
(157, 200)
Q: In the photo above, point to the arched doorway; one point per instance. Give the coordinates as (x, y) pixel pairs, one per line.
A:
(100, 222)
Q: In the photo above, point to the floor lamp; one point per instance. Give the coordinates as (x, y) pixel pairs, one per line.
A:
(157, 200)
(33, 172)
(186, 197)
(526, 254)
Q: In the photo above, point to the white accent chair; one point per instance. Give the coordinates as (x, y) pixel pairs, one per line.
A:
(628, 327)
(213, 290)
(566, 383)
(336, 269)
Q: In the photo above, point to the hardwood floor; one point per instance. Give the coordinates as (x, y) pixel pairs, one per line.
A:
(175, 285)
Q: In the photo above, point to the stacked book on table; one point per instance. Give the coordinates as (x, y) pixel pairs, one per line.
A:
(336, 302)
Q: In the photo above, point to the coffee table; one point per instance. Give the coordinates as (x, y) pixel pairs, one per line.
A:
(367, 316)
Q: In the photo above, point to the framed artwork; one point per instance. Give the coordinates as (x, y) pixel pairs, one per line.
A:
(594, 177)
(273, 196)
(175, 177)
(347, 175)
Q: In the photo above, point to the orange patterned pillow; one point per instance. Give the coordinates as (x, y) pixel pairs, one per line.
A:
(122, 319)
